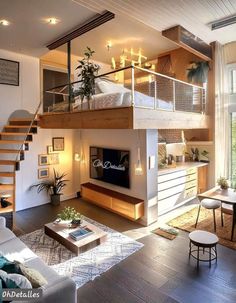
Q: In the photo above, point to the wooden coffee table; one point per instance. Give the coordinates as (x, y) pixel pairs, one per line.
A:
(60, 233)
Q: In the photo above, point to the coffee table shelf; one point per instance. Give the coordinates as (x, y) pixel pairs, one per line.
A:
(60, 233)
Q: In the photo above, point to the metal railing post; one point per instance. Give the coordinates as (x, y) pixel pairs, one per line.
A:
(174, 96)
(132, 86)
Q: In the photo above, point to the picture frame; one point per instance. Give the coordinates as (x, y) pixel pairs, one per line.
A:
(49, 149)
(9, 72)
(43, 173)
(58, 144)
(43, 159)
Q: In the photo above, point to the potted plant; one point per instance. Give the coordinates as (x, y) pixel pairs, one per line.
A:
(223, 183)
(198, 72)
(53, 186)
(69, 215)
(87, 74)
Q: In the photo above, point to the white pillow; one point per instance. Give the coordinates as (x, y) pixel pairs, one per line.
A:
(110, 87)
(20, 280)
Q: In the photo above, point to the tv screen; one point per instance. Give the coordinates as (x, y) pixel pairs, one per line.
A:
(110, 165)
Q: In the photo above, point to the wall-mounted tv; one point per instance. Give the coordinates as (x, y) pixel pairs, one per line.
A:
(110, 165)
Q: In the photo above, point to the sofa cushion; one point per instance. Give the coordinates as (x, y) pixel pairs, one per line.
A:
(34, 276)
(6, 235)
(49, 274)
(14, 280)
(15, 250)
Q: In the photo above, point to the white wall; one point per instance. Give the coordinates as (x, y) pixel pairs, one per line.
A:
(144, 186)
(28, 173)
(24, 96)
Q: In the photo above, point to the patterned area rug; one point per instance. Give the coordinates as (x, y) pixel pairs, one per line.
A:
(87, 266)
(187, 221)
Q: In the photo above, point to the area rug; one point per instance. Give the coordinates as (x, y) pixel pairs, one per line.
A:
(87, 266)
(166, 232)
(187, 222)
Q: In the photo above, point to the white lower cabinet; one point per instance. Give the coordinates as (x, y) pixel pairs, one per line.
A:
(176, 188)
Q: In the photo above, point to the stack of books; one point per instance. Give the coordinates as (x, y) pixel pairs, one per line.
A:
(80, 233)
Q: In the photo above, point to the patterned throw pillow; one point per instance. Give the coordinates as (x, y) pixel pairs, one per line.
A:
(14, 280)
(35, 277)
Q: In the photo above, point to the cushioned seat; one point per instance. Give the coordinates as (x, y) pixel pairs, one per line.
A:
(210, 204)
(6, 235)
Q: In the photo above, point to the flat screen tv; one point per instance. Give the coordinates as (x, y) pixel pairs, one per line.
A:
(110, 165)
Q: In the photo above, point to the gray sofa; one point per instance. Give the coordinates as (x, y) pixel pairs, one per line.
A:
(59, 289)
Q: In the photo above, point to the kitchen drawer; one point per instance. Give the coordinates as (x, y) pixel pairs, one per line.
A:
(171, 191)
(192, 170)
(96, 197)
(190, 184)
(175, 182)
(124, 208)
(190, 192)
(169, 203)
(171, 176)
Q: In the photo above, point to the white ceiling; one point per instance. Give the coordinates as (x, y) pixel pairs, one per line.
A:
(124, 33)
(194, 15)
(28, 32)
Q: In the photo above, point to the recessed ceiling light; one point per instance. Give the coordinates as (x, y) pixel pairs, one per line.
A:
(4, 22)
(53, 21)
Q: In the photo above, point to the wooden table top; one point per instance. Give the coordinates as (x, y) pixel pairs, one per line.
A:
(225, 195)
(62, 231)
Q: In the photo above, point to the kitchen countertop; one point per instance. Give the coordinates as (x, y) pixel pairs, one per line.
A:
(180, 166)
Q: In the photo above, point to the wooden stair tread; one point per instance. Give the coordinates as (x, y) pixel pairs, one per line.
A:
(14, 134)
(8, 162)
(13, 141)
(23, 119)
(6, 209)
(7, 174)
(20, 126)
(6, 187)
(10, 151)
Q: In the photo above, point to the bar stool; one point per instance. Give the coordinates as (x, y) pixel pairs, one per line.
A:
(199, 241)
(210, 204)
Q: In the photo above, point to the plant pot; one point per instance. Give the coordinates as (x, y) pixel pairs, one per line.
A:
(56, 199)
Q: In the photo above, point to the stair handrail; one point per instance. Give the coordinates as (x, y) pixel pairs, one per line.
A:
(28, 132)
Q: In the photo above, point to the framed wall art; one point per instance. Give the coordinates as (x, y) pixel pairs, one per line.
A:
(9, 72)
(44, 160)
(43, 173)
(58, 144)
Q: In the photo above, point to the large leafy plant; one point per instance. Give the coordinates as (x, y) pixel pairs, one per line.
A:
(198, 72)
(87, 74)
(53, 186)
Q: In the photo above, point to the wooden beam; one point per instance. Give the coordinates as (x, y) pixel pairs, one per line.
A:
(118, 118)
(88, 26)
(188, 41)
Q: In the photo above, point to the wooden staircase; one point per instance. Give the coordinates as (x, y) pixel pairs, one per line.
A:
(15, 135)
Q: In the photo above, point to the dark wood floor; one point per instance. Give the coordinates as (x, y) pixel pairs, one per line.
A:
(160, 272)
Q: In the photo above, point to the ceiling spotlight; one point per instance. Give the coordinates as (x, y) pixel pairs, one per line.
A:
(53, 21)
(4, 22)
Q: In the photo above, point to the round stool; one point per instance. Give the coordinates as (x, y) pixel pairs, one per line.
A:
(210, 204)
(201, 240)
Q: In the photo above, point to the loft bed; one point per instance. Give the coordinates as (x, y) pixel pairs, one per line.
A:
(131, 97)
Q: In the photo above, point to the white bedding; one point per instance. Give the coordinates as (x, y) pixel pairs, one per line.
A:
(118, 99)
(114, 95)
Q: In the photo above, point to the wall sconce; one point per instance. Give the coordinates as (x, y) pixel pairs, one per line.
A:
(77, 157)
(109, 45)
(138, 165)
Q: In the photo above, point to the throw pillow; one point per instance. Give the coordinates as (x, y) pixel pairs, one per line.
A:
(14, 280)
(109, 87)
(35, 277)
(8, 266)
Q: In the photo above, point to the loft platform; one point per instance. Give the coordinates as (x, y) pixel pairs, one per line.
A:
(129, 98)
(124, 118)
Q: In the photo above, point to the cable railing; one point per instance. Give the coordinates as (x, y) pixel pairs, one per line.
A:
(132, 86)
(31, 125)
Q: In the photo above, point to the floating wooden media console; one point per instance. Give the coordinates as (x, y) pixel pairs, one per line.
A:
(124, 205)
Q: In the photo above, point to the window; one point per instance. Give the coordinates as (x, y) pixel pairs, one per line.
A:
(233, 81)
(233, 148)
